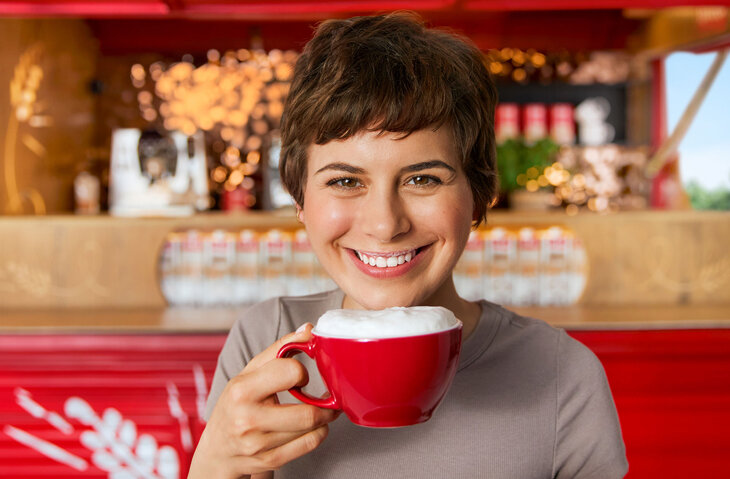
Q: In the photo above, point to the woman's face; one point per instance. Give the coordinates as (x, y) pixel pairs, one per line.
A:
(388, 218)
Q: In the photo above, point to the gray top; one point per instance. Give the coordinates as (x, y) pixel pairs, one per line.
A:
(528, 402)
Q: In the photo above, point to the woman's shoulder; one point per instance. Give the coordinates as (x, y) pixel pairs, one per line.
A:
(521, 327)
(283, 314)
(537, 335)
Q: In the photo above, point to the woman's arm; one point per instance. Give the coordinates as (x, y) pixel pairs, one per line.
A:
(249, 432)
(588, 442)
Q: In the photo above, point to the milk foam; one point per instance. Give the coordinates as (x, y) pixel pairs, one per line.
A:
(386, 323)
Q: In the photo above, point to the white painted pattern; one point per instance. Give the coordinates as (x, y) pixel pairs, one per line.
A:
(25, 401)
(117, 449)
(114, 444)
(173, 402)
(46, 448)
(201, 390)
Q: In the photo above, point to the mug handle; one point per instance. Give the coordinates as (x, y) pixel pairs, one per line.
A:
(289, 350)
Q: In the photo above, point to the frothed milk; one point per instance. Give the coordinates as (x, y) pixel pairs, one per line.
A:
(386, 323)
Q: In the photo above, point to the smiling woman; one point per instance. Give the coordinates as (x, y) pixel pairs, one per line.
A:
(388, 151)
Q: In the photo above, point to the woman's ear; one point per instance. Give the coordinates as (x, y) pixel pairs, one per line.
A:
(300, 213)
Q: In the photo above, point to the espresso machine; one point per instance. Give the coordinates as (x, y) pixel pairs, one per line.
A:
(157, 174)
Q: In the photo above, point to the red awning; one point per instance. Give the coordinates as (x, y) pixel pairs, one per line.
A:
(301, 9)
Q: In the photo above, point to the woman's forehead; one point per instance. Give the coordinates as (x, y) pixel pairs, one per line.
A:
(368, 145)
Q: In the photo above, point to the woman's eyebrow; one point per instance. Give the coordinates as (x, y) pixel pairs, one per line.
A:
(341, 167)
(424, 165)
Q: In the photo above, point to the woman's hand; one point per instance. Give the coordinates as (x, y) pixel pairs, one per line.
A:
(249, 431)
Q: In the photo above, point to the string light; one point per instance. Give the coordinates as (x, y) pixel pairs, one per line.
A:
(236, 96)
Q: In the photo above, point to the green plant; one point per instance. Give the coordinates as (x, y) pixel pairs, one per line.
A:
(515, 157)
(704, 199)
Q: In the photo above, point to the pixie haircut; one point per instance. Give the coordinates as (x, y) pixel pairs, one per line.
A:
(390, 73)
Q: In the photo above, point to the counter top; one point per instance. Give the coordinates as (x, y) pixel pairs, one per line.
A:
(219, 321)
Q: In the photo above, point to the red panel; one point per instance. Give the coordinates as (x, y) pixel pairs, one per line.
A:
(581, 4)
(290, 9)
(219, 9)
(306, 8)
(552, 30)
(107, 8)
(127, 376)
(672, 391)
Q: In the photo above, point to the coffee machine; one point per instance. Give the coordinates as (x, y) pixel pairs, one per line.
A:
(157, 174)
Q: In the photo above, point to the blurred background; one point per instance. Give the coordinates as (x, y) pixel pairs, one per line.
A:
(141, 210)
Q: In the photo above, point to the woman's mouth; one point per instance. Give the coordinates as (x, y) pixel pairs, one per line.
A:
(387, 264)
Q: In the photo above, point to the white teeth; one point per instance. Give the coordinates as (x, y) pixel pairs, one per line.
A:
(385, 261)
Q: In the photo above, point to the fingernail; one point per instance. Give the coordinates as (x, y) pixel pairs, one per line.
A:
(301, 328)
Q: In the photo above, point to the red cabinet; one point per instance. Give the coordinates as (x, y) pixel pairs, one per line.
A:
(672, 392)
(129, 406)
(123, 406)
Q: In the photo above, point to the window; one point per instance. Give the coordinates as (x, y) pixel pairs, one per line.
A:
(704, 153)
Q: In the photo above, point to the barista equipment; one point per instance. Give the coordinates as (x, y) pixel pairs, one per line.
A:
(155, 174)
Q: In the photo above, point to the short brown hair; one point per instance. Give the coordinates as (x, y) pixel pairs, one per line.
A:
(390, 73)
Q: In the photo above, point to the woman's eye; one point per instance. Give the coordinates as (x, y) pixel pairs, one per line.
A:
(423, 180)
(345, 183)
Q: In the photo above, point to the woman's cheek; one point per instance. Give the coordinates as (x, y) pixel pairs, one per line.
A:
(328, 218)
(448, 212)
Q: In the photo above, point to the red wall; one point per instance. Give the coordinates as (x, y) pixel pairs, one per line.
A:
(672, 391)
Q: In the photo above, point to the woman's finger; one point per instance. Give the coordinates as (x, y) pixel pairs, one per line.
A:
(302, 334)
(304, 444)
(279, 374)
(257, 443)
(293, 417)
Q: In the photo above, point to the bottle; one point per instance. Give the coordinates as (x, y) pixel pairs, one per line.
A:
(500, 251)
(303, 264)
(275, 263)
(526, 281)
(554, 268)
(219, 250)
(246, 284)
(190, 281)
(468, 271)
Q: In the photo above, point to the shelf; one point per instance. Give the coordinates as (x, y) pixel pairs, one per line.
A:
(556, 92)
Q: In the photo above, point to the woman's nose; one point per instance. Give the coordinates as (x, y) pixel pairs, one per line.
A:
(384, 216)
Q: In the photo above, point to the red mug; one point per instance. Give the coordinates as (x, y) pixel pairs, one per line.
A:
(385, 382)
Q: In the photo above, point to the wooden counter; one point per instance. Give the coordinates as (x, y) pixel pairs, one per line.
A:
(100, 272)
(213, 321)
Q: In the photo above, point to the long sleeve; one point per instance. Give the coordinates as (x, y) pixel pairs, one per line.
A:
(253, 332)
(588, 442)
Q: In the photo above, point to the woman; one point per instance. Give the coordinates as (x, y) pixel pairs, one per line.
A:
(388, 150)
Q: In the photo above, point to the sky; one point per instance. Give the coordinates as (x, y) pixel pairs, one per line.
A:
(704, 153)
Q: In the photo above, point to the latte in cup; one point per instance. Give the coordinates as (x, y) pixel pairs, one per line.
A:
(387, 368)
(386, 323)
